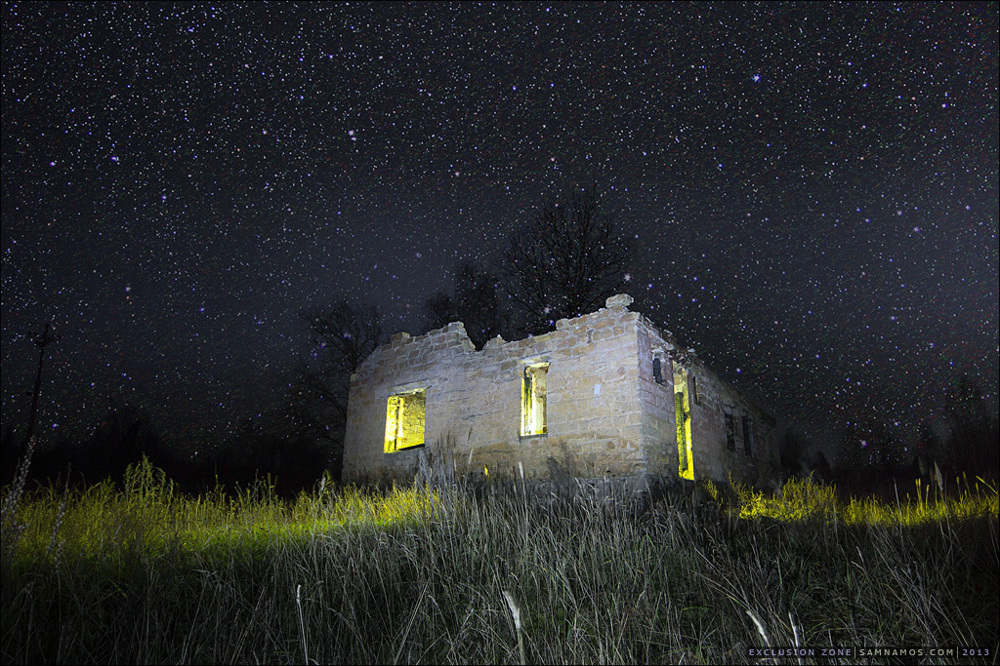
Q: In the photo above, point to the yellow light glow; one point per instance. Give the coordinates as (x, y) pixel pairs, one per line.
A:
(802, 501)
(404, 421)
(533, 400)
(682, 412)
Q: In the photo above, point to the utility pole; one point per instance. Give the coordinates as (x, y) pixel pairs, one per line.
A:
(41, 341)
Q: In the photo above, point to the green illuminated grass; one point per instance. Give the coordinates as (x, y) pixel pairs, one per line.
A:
(150, 517)
(804, 501)
(147, 575)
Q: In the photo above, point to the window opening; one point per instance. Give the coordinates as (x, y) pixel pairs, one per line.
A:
(730, 432)
(404, 421)
(694, 390)
(657, 371)
(682, 414)
(747, 436)
(533, 399)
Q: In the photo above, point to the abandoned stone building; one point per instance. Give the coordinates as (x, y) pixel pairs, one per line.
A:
(606, 394)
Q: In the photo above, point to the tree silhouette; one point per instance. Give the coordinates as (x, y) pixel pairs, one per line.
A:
(341, 337)
(869, 453)
(972, 445)
(440, 310)
(278, 443)
(821, 467)
(565, 261)
(41, 340)
(475, 303)
(121, 438)
(344, 335)
(930, 451)
(791, 451)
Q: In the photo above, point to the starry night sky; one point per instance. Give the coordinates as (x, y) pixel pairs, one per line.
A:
(810, 189)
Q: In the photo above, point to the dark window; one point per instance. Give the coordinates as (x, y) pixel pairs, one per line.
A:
(657, 371)
(747, 436)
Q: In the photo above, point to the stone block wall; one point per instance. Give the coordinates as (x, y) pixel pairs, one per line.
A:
(473, 402)
(710, 399)
(606, 413)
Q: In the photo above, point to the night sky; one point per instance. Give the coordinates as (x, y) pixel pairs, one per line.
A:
(810, 189)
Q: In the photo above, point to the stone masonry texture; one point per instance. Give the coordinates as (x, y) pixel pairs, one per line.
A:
(607, 413)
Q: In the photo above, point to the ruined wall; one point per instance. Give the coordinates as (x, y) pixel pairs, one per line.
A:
(609, 409)
(473, 420)
(402, 366)
(709, 400)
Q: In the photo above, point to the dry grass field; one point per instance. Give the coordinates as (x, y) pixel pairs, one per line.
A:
(145, 574)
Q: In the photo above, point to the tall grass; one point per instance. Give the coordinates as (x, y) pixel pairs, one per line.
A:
(422, 576)
(803, 500)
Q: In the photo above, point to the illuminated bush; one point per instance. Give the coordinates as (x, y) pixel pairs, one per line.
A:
(805, 500)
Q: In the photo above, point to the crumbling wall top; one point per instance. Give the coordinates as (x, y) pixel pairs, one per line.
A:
(619, 301)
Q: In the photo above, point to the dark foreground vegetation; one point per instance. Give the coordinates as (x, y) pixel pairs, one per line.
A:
(148, 575)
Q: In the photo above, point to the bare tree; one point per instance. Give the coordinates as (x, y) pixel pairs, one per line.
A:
(342, 337)
(869, 453)
(792, 451)
(440, 310)
(475, 303)
(972, 442)
(42, 340)
(565, 261)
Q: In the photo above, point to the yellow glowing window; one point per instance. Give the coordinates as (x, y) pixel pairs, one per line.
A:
(533, 400)
(682, 414)
(404, 421)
